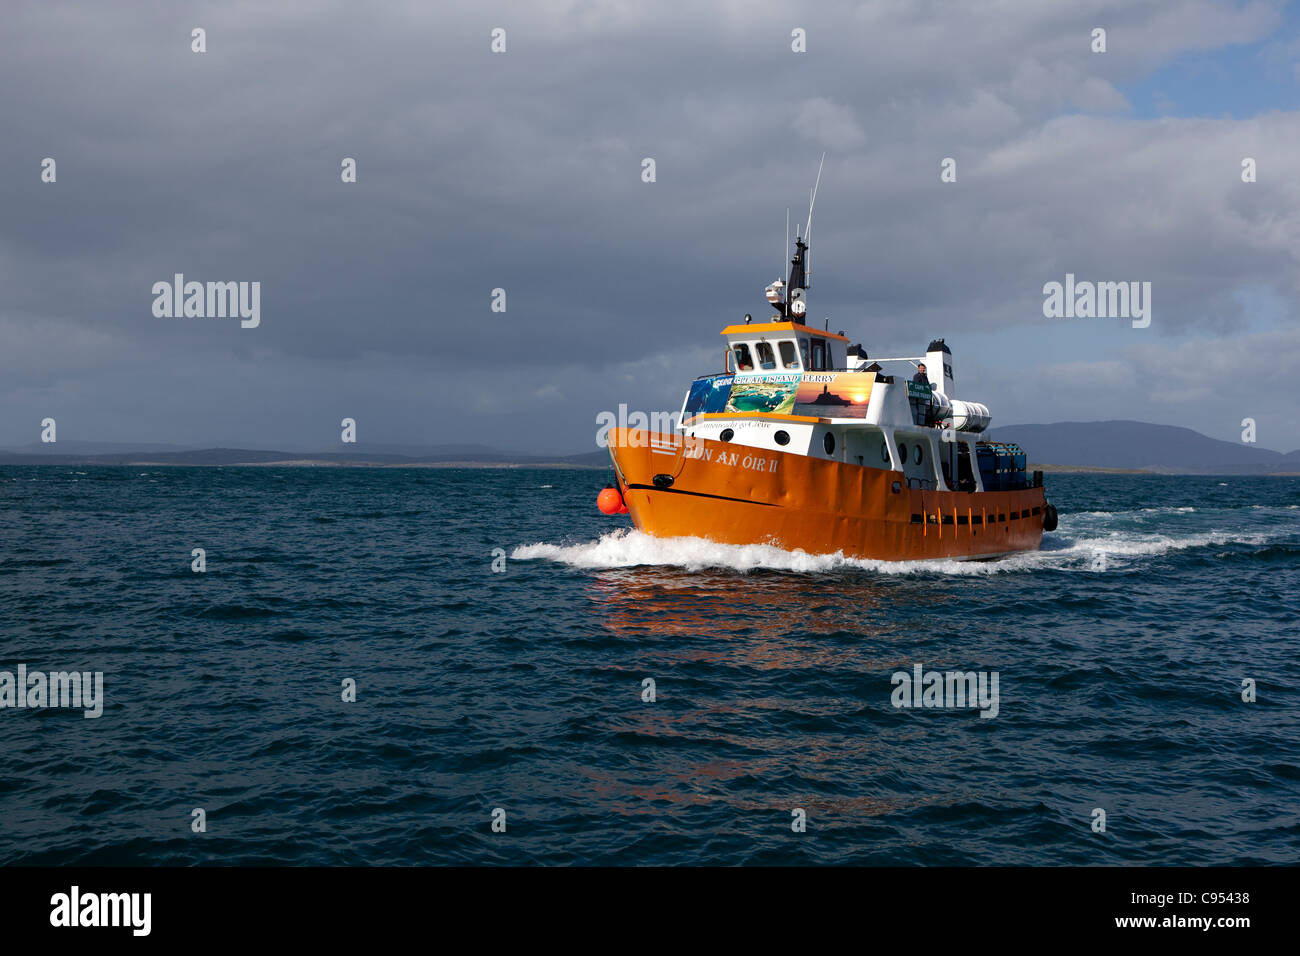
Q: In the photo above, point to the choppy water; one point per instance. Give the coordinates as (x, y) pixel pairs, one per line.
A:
(1120, 648)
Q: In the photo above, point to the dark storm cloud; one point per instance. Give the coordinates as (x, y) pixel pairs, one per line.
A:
(522, 170)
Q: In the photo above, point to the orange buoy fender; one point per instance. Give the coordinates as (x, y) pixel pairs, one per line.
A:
(609, 501)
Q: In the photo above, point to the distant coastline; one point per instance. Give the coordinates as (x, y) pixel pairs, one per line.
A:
(46, 461)
(1089, 470)
(318, 463)
(1113, 447)
(74, 461)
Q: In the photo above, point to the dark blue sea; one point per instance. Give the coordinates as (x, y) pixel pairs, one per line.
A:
(1121, 650)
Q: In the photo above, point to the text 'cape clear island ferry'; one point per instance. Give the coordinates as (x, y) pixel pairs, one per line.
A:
(804, 442)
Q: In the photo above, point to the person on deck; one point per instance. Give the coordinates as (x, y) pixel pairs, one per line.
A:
(920, 377)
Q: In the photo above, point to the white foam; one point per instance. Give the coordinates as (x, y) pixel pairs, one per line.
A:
(1185, 509)
(1135, 545)
(624, 548)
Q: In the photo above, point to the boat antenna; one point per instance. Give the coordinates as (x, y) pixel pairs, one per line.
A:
(812, 201)
(787, 242)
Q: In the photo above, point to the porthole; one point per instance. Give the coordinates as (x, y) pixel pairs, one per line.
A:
(902, 453)
(782, 437)
(884, 451)
(829, 443)
(727, 435)
(917, 455)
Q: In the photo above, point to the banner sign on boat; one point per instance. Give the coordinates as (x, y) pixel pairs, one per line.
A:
(834, 394)
(919, 390)
(815, 394)
(773, 394)
(708, 395)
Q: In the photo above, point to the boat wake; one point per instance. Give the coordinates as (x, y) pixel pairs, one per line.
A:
(1095, 553)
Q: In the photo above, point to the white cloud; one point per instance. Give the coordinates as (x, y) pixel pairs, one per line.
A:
(523, 171)
(830, 124)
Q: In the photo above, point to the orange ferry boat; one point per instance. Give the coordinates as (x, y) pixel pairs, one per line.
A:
(804, 442)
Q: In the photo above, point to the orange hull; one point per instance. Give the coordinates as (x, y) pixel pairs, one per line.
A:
(739, 495)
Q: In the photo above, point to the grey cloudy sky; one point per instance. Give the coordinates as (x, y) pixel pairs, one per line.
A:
(522, 170)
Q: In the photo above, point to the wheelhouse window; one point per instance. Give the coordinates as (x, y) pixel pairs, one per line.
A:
(788, 356)
(819, 356)
(803, 351)
(743, 362)
(766, 357)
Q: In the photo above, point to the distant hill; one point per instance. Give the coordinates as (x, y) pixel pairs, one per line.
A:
(422, 452)
(94, 448)
(1142, 446)
(1126, 445)
(93, 453)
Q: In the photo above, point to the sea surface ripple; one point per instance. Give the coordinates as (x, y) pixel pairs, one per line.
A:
(1121, 649)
